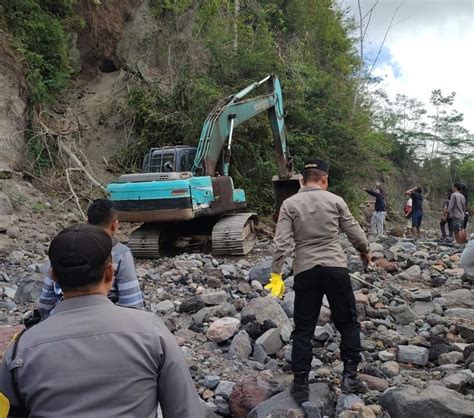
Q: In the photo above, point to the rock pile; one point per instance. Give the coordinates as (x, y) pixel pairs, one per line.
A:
(416, 309)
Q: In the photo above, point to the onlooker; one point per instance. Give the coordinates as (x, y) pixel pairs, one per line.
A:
(417, 210)
(457, 211)
(466, 216)
(378, 217)
(408, 211)
(126, 288)
(92, 358)
(446, 220)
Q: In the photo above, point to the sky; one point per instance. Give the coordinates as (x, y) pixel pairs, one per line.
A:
(431, 46)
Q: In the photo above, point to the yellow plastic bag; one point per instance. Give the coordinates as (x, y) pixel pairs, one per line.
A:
(4, 406)
(276, 285)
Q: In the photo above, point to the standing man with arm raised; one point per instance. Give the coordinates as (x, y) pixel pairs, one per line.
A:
(378, 217)
(313, 219)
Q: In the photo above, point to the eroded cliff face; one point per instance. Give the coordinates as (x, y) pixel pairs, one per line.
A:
(13, 115)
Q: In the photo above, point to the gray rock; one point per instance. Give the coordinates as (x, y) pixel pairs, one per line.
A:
(289, 303)
(29, 290)
(6, 207)
(222, 406)
(402, 314)
(13, 232)
(410, 274)
(191, 305)
(390, 368)
(256, 285)
(413, 354)
(422, 295)
(259, 353)
(376, 247)
(228, 270)
(456, 381)
(311, 410)
(436, 401)
(224, 389)
(214, 298)
(219, 311)
(188, 264)
(345, 402)
(464, 313)
(261, 272)
(164, 307)
(285, 333)
(467, 332)
(264, 308)
(460, 298)
(241, 345)
(5, 222)
(16, 257)
(270, 341)
(423, 308)
(453, 357)
(279, 405)
(386, 355)
(211, 381)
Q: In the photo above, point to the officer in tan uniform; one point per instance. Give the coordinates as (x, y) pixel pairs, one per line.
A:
(312, 220)
(92, 358)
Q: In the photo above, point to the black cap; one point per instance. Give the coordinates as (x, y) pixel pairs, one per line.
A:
(79, 248)
(316, 164)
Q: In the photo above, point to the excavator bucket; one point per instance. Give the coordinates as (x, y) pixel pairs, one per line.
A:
(282, 189)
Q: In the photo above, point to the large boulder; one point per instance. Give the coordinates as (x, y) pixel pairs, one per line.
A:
(222, 329)
(250, 392)
(270, 341)
(434, 401)
(241, 345)
(283, 404)
(460, 298)
(29, 290)
(413, 354)
(266, 308)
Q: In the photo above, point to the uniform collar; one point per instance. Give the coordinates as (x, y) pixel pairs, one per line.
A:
(80, 302)
(309, 188)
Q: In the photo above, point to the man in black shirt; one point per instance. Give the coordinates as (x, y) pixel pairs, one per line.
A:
(417, 209)
(378, 217)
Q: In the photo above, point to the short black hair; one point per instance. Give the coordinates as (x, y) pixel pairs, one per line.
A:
(101, 212)
(313, 174)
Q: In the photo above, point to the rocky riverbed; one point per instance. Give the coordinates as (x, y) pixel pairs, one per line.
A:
(416, 308)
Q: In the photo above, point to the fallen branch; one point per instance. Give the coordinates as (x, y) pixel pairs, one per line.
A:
(68, 179)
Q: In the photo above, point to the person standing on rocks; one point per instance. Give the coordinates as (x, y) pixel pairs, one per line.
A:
(407, 210)
(466, 216)
(313, 219)
(378, 217)
(92, 358)
(126, 288)
(417, 210)
(446, 220)
(457, 211)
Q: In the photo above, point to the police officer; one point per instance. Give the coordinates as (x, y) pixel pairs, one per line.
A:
(312, 220)
(92, 358)
(126, 288)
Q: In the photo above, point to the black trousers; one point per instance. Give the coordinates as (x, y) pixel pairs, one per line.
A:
(310, 286)
(442, 225)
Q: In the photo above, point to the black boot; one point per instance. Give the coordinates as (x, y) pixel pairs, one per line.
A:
(350, 382)
(300, 387)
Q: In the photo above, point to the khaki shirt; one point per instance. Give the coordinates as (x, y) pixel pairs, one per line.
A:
(313, 219)
(91, 358)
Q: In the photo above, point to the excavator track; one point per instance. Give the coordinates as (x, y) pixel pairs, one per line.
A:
(234, 234)
(144, 242)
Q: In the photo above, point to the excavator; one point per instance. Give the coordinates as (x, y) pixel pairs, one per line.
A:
(185, 191)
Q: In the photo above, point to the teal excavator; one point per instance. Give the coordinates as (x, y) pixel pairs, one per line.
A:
(185, 191)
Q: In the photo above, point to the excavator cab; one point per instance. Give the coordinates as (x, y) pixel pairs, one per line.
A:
(177, 159)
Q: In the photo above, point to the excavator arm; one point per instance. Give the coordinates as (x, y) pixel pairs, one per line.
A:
(230, 112)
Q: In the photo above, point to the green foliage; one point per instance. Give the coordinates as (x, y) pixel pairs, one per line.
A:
(39, 29)
(307, 44)
(38, 207)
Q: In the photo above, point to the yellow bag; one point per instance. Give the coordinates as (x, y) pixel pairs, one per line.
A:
(4, 406)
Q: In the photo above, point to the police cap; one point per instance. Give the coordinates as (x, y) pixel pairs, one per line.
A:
(79, 248)
(316, 164)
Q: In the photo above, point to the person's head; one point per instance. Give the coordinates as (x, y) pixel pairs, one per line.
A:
(103, 213)
(457, 187)
(463, 189)
(418, 189)
(316, 173)
(407, 195)
(81, 261)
